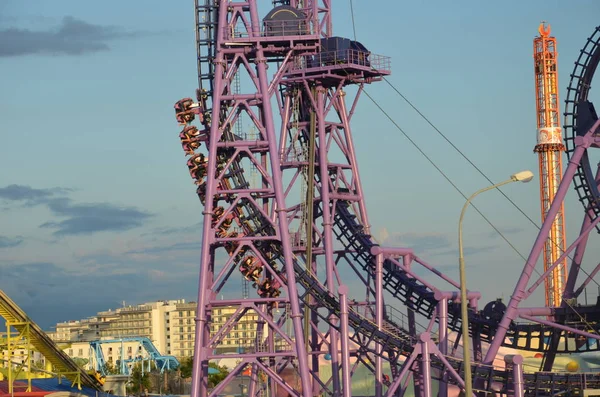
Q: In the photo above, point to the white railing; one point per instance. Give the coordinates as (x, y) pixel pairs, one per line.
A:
(348, 57)
(269, 29)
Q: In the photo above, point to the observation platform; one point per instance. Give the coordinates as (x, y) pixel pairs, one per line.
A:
(273, 33)
(354, 65)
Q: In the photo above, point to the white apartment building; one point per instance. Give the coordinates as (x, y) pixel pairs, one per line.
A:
(145, 320)
(81, 330)
(170, 325)
(181, 329)
(21, 356)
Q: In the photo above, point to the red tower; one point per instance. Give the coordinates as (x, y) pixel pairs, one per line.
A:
(549, 148)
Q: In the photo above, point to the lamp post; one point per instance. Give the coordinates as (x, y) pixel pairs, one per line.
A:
(523, 176)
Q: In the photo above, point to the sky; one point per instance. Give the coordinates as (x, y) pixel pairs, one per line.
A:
(96, 205)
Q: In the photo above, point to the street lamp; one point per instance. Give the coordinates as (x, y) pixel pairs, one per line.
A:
(523, 176)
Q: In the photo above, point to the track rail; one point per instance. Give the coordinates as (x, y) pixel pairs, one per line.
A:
(58, 358)
(579, 118)
(393, 338)
(400, 283)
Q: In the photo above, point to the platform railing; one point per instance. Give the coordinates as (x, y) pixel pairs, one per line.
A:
(275, 29)
(345, 58)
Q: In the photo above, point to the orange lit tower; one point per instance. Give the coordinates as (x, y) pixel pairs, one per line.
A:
(549, 148)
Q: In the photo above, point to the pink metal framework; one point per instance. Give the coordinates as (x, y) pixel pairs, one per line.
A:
(300, 233)
(250, 226)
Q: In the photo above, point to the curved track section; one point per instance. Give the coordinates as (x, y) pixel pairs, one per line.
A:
(402, 286)
(398, 282)
(392, 338)
(580, 115)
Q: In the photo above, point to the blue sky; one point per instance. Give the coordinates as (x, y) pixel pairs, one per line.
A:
(96, 203)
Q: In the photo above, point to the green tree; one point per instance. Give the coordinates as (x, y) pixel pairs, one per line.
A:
(81, 362)
(215, 379)
(139, 382)
(110, 368)
(185, 367)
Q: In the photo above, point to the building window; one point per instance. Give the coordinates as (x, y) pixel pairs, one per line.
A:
(71, 352)
(80, 353)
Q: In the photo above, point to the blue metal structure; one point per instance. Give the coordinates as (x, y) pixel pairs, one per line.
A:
(152, 354)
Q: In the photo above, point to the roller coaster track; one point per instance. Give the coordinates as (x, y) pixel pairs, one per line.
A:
(162, 362)
(393, 338)
(580, 115)
(62, 363)
(399, 283)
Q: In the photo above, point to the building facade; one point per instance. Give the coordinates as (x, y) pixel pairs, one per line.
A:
(146, 320)
(181, 329)
(170, 325)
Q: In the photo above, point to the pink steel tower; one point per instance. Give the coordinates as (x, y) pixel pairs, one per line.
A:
(280, 227)
(299, 232)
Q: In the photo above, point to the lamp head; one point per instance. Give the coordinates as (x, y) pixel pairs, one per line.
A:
(523, 176)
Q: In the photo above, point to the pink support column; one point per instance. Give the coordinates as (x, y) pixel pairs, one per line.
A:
(516, 362)
(519, 291)
(200, 366)
(296, 315)
(379, 322)
(425, 364)
(442, 310)
(347, 388)
(327, 228)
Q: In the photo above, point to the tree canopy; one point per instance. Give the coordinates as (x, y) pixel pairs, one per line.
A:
(214, 377)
